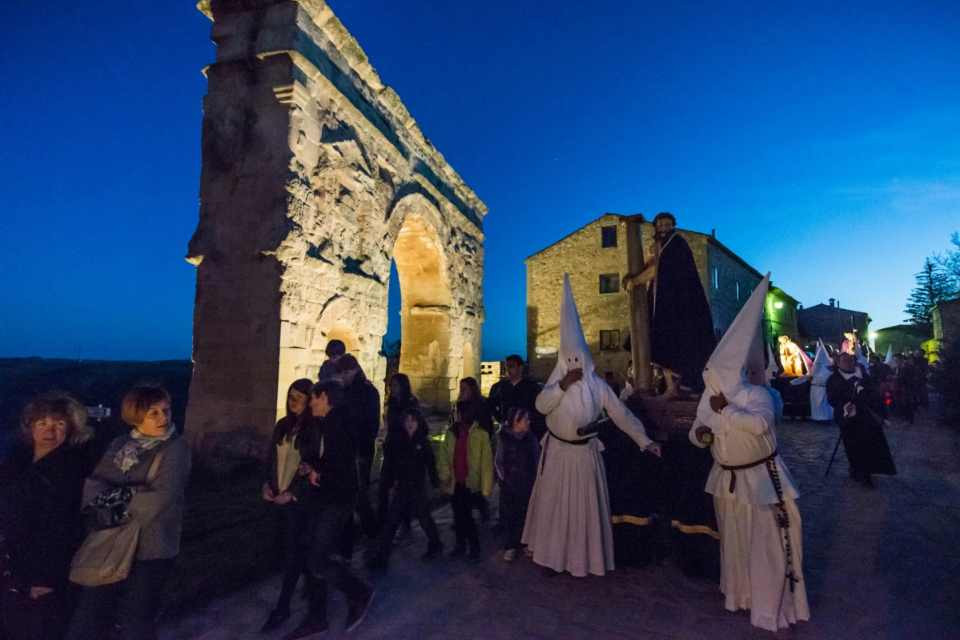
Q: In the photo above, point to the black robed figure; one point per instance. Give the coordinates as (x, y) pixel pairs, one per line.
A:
(852, 395)
(681, 327)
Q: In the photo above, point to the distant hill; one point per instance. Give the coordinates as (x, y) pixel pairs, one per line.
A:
(92, 382)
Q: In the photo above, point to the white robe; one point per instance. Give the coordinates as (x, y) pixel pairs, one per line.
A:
(752, 558)
(568, 519)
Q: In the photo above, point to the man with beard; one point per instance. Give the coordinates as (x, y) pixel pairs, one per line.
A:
(850, 392)
(681, 327)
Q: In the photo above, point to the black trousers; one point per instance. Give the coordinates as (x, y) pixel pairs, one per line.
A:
(327, 529)
(136, 601)
(294, 538)
(466, 529)
(42, 619)
(513, 515)
(408, 503)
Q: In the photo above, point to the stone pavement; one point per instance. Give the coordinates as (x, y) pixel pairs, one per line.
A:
(879, 563)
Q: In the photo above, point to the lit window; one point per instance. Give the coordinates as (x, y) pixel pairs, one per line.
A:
(608, 236)
(738, 289)
(716, 277)
(609, 282)
(609, 340)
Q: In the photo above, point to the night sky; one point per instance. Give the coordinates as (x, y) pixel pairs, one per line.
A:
(822, 142)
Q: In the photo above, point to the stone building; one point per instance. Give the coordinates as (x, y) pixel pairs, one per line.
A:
(595, 256)
(314, 177)
(830, 321)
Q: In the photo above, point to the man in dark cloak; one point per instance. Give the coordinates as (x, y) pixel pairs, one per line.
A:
(852, 395)
(681, 327)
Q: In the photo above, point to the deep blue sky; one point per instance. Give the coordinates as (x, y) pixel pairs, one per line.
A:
(822, 142)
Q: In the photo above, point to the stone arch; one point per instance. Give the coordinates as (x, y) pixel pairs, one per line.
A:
(314, 177)
(427, 325)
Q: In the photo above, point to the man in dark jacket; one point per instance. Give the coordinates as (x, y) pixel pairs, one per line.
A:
(851, 394)
(361, 407)
(516, 390)
(328, 490)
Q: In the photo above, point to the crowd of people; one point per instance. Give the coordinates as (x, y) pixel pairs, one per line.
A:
(89, 533)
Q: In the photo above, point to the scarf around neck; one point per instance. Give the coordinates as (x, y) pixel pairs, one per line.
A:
(129, 454)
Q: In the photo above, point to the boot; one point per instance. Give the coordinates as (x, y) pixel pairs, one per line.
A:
(316, 620)
(276, 618)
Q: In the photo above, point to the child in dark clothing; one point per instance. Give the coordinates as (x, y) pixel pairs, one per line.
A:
(406, 470)
(518, 453)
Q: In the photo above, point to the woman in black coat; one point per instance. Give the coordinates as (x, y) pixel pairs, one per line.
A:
(40, 488)
(400, 400)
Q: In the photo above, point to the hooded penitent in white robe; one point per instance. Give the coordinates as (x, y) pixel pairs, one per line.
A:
(890, 361)
(772, 368)
(754, 567)
(568, 520)
(820, 409)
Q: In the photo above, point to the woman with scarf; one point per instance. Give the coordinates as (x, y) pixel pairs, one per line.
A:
(156, 506)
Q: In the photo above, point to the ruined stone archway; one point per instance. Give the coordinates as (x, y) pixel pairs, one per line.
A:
(314, 177)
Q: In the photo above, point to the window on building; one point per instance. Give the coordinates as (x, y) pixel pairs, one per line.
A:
(608, 236)
(716, 277)
(609, 282)
(738, 289)
(609, 340)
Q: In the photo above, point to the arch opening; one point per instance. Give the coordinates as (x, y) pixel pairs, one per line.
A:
(425, 311)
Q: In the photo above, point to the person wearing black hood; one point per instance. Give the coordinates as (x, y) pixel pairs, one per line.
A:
(326, 486)
(361, 409)
(282, 465)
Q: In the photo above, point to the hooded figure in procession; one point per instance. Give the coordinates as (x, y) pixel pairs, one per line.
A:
(754, 497)
(820, 409)
(568, 520)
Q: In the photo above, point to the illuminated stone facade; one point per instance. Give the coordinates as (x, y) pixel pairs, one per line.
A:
(314, 177)
(604, 309)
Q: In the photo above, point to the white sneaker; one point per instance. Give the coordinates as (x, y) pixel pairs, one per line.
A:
(509, 555)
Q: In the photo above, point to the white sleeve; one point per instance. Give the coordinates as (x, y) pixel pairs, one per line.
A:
(692, 435)
(621, 416)
(755, 418)
(548, 398)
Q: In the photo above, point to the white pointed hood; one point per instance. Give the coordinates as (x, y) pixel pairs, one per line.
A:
(807, 362)
(821, 365)
(889, 360)
(575, 354)
(740, 347)
(820, 345)
(772, 368)
(862, 358)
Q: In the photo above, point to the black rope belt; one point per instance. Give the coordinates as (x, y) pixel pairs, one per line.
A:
(783, 521)
(733, 468)
(581, 441)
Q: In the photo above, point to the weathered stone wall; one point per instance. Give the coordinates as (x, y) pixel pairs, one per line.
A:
(315, 177)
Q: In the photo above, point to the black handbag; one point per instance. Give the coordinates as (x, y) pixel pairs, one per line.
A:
(108, 509)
